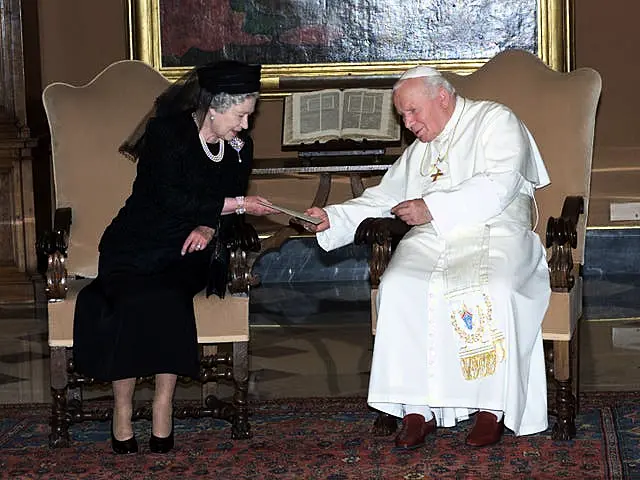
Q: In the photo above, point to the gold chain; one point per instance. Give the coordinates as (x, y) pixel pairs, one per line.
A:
(434, 170)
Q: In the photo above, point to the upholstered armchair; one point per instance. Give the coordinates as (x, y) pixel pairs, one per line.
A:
(559, 109)
(92, 180)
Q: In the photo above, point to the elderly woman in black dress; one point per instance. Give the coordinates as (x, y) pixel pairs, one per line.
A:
(136, 318)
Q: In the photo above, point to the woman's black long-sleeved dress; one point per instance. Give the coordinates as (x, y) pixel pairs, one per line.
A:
(136, 318)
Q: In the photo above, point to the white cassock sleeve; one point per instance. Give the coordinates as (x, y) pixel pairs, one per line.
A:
(507, 150)
(376, 201)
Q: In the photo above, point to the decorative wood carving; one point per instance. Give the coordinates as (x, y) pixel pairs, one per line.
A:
(562, 239)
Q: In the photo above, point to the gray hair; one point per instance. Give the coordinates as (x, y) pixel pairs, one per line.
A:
(434, 84)
(221, 102)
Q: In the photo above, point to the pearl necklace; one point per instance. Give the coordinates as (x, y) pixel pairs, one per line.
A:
(435, 171)
(218, 156)
(214, 158)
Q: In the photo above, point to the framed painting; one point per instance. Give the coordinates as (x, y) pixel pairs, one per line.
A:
(303, 44)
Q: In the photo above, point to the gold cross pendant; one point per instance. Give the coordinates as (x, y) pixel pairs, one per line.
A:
(436, 174)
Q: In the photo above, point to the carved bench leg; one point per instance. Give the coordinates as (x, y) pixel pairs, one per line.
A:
(59, 422)
(565, 427)
(240, 428)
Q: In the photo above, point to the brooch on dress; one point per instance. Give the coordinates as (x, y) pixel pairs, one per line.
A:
(237, 143)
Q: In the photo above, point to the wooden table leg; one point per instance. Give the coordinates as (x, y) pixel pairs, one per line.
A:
(324, 188)
(357, 187)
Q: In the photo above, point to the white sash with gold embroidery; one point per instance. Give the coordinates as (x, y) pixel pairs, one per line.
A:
(480, 344)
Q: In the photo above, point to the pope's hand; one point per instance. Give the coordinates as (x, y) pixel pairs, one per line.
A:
(413, 212)
(316, 212)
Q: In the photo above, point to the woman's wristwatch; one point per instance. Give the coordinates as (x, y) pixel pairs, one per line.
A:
(240, 205)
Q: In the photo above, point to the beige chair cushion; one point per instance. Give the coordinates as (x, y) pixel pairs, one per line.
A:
(87, 125)
(565, 309)
(374, 310)
(559, 110)
(222, 320)
(61, 316)
(217, 321)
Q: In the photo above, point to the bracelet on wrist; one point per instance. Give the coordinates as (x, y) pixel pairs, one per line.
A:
(240, 205)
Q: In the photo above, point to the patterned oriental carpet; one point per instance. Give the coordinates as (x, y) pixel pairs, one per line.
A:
(325, 439)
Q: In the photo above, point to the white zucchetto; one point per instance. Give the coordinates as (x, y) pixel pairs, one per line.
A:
(419, 72)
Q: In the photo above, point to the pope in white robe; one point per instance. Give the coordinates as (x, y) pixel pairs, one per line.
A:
(461, 304)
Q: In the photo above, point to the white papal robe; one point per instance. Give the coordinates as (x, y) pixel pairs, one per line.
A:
(480, 244)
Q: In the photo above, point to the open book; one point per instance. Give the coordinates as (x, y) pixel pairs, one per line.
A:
(354, 114)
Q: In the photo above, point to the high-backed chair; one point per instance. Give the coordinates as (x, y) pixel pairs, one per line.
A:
(559, 109)
(92, 180)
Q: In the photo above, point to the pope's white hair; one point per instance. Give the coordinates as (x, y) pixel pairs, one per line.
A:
(432, 78)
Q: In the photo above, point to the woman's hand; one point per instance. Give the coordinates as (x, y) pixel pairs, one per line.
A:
(316, 212)
(198, 239)
(256, 205)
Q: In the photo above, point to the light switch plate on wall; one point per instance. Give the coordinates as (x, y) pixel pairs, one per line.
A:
(626, 337)
(624, 211)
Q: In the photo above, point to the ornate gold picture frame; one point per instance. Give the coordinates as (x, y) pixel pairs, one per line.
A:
(310, 44)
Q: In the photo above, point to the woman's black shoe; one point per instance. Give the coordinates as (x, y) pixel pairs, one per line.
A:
(130, 445)
(161, 444)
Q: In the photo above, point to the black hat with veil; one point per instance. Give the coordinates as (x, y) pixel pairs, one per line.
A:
(193, 93)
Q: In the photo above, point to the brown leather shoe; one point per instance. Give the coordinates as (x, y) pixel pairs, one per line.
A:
(414, 430)
(487, 430)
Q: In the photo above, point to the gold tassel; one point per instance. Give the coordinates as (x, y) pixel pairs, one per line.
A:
(478, 365)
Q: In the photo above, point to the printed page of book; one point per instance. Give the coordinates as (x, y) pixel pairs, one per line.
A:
(369, 114)
(312, 117)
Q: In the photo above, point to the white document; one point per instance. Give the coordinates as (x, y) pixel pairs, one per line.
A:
(293, 213)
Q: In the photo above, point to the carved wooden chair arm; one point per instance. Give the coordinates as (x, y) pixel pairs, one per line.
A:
(53, 245)
(383, 235)
(562, 239)
(379, 230)
(243, 236)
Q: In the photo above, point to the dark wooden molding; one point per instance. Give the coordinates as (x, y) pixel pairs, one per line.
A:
(17, 234)
(12, 95)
